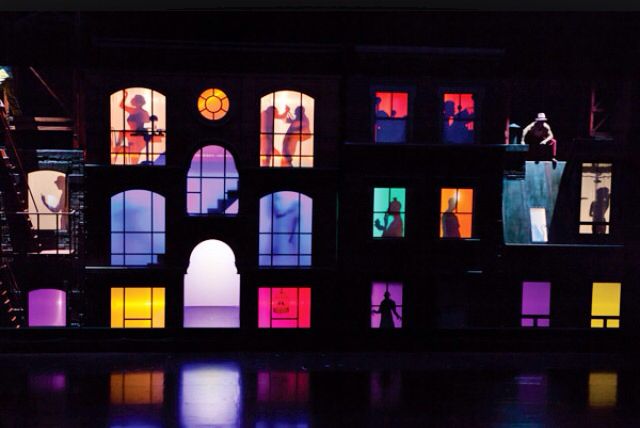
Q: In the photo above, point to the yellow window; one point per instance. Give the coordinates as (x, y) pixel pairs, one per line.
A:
(139, 307)
(606, 299)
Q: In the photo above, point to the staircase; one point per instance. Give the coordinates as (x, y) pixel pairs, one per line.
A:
(16, 232)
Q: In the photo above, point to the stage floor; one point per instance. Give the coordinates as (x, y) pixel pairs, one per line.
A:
(319, 390)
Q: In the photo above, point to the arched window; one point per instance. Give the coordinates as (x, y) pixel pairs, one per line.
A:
(137, 228)
(285, 229)
(138, 127)
(47, 308)
(212, 182)
(49, 190)
(212, 287)
(286, 129)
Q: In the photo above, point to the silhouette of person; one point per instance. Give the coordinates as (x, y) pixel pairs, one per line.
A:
(450, 223)
(598, 209)
(539, 132)
(396, 228)
(455, 124)
(380, 126)
(386, 309)
(137, 137)
(267, 118)
(286, 221)
(61, 206)
(298, 131)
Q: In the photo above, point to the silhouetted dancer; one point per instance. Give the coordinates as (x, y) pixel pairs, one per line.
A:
(267, 121)
(386, 309)
(298, 131)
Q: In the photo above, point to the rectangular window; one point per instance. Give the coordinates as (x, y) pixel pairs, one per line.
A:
(287, 307)
(595, 198)
(605, 305)
(391, 113)
(389, 205)
(458, 118)
(538, 224)
(386, 305)
(456, 213)
(137, 307)
(536, 298)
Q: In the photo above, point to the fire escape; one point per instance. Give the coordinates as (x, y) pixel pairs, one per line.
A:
(38, 249)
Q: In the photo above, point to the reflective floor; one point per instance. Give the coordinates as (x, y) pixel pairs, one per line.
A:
(303, 390)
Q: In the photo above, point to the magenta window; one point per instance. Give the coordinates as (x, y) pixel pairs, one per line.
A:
(47, 308)
(386, 305)
(536, 302)
(288, 307)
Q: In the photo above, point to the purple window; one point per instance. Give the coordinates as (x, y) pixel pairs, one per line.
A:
(536, 299)
(47, 308)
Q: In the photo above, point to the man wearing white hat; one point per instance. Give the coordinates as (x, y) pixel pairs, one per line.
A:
(539, 132)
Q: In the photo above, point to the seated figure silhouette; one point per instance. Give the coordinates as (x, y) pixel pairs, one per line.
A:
(395, 229)
(598, 209)
(386, 309)
(539, 132)
(450, 223)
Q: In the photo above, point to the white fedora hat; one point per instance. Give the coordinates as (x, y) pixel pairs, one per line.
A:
(541, 117)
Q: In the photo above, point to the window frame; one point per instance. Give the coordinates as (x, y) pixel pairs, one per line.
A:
(163, 132)
(212, 122)
(122, 322)
(478, 96)
(463, 186)
(403, 211)
(313, 134)
(605, 319)
(152, 231)
(535, 318)
(410, 91)
(299, 234)
(612, 205)
(202, 178)
(297, 318)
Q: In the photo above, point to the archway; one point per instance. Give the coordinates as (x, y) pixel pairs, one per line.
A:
(212, 287)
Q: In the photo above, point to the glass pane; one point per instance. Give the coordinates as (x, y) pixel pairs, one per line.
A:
(606, 299)
(536, 298)
(595, 197)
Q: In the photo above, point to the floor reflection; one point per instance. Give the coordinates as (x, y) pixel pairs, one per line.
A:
(210, 395)
(269, 391)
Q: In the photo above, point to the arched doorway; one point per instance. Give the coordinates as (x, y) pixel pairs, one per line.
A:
(212, 287)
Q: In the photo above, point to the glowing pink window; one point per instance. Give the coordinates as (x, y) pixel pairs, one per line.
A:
(536, 302)
(47, 308)
(288, 307)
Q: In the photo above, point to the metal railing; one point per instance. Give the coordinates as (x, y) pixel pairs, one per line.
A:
(57, 232)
